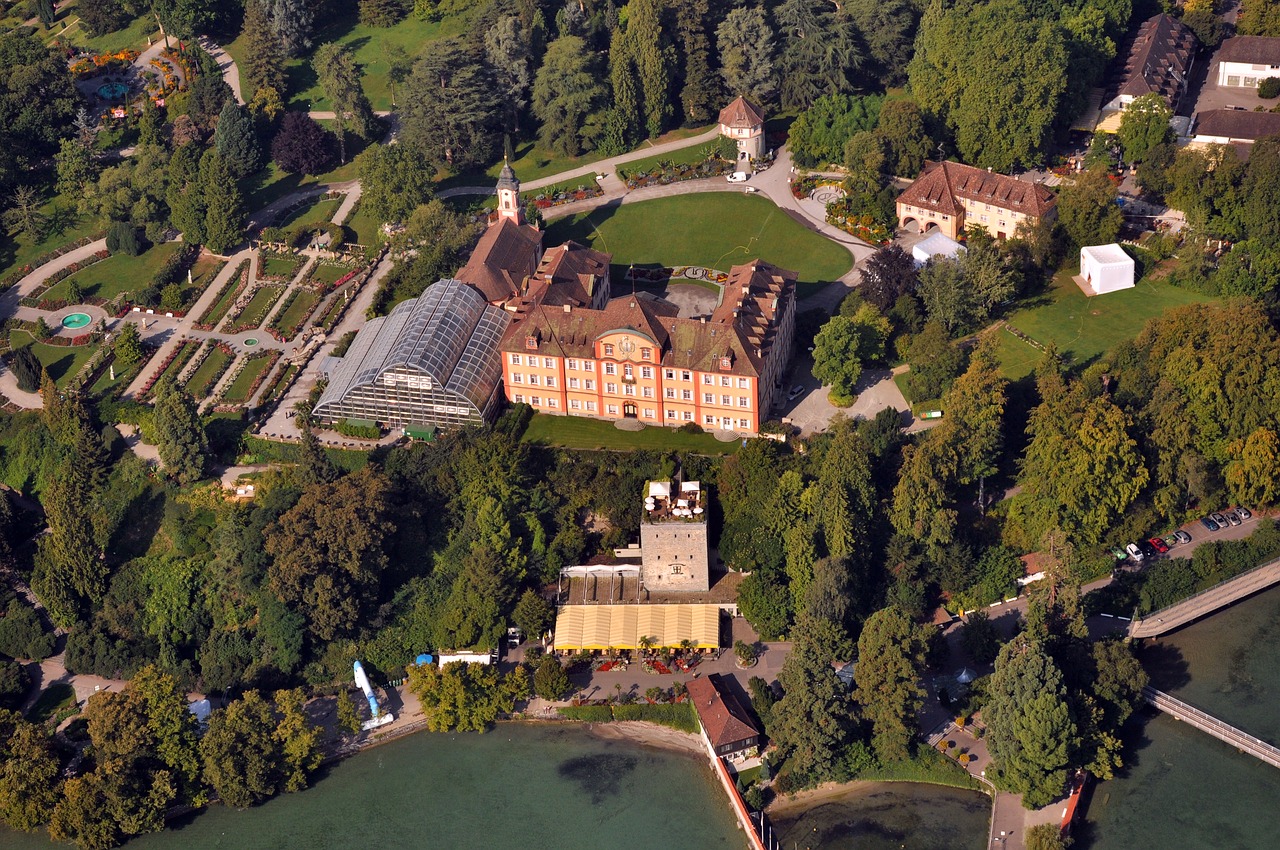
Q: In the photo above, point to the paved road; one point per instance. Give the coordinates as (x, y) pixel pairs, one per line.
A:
(230, 72)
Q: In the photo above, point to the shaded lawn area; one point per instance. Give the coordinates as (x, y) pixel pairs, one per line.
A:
(65, 226)
(328, 273)
(63, 362)
(370, 46)
(317, 213)
(259, 305)
(205, 269)
(52, 699)
(202, 381)
(1085, 328)
(716, 230)
(272, 183)
(238, 390)
(132, 35)
(117, 273)
(576, 432)
(365, 230)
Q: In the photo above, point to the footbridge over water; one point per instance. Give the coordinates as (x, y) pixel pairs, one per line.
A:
(1228, 734)
(1206, 601)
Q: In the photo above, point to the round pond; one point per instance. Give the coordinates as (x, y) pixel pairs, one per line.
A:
(113, 91)
(75, 321)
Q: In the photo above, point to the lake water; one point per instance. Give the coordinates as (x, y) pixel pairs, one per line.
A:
(1181, 788)
(891, 817)
(519, 786)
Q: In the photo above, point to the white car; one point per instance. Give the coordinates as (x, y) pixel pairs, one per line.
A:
(1134, 551)
(738, 177)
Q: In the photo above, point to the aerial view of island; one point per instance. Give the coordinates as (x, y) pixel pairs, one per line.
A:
(578, 424)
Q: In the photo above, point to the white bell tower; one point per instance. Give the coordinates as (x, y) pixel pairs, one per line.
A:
(509, 195)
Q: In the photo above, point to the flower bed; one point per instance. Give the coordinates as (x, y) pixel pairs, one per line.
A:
(661, 175)
(214, 366)
(255, 309)
(278, 261)
(90, 66)
(325, 277)
(33, 300)
(15, 276)
(280, 383)
(230, 291)
(290, 318)
(804, 187)
(845, 215)
(251, 375)
(558, 196)
(173, 363)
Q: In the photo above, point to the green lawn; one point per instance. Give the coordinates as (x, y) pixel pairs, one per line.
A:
(1084, 328)
(223, 304)
(117, 273)
(285, 267)
(271, 184)
(259, 305)
(370, 45)
(66, 226)
(52, 699)
(68, 29)
(685, 156)
(204, 378)
(304, 301)
(365, 230)
(62, 361)
(238, 390)
(576, 432)
(328, 273)
(716, 230)
(317, 213)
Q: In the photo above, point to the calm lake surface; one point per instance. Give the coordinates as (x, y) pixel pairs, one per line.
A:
(519, 786)
(1182, 788)
(892, 816)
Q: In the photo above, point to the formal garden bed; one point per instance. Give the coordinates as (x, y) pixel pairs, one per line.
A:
(665, 172)
(255, 309)
(173, 364)
(278, 267)
(217, 359)
(290, 318)
(252, 373)
(326, 275)
(36, 298)
(226, 297)
(63, 362)
(566, 193)
(280, 383)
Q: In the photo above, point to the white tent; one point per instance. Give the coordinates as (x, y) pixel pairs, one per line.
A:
(936, 244)
(1106, 268)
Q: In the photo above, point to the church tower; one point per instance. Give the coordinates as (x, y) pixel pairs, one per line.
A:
(509, 195)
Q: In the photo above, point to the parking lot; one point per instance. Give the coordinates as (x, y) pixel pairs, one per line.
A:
(1200, 535)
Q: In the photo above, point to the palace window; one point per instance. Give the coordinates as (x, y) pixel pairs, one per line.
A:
(571, 364)
(588, 384)
(517, 378)
(646, 353)
(610, 369)
(708, 398)
(533, 380)
(515, 360)
(646, 372)
(686, 375)
(688, 416)
(611, 388)
(687, 395)
(573, 383)
(591, 407)
(548, 362)
(608, 349)
(708, 380)
(574, 404)
(647, 392)
(742, 401)
(611, 409)
(551, 380)
(669, 392)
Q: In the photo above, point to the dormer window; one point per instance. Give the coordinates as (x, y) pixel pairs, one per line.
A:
(646, 354)
(531, 342)
(608, 349)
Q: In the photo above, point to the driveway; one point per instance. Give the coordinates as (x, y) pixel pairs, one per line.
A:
(813, 411)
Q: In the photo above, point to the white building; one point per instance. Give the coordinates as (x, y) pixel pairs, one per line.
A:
(936, 244)
(1246, 60)
(743, 122)
(1233, 126)
(1106, 268)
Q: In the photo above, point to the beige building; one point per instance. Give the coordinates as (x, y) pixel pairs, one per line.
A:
(1246, 60)
(675, 547)
(953, 197)
(743, 122)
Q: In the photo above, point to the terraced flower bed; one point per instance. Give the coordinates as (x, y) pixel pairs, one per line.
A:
(243, 386)
(280, 383)
(172, 365)
(230, 291)
(278, 267)
(293, 315)
(257, 309)
(205, 378)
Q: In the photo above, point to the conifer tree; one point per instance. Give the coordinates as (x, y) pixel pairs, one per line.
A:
(224, 206)
(236, 141)
(340, 78)
(179, 434)
(264, 54)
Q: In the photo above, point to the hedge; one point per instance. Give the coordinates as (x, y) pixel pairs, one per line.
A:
(679, 716)
(363, 432)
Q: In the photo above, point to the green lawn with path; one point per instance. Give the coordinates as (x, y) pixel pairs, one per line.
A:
(259, 305)
(202, 381)
(365, 229)
(578, 432)
(224, 302)
(66, 226)
(1084, 328)
(52, 699)
(714, 229)
(315, 214)
(271, 183)
(237, 391)
(62, 361)
(116, 274)
(304, 301)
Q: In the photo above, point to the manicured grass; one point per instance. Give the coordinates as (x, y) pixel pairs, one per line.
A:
(271, 183)
(285, 267)
(312, 215)
(205, 269)
(259, 305)
(202, 381)
(133, 35)
(52, 699)
(576, 432)
(685, 156)
(1085, 328)
(237, 391)
(328, 273)
(369, 44)
(62, 361)
(304, 301)
(117, 273)
(185, 353)
(67, 225)
(224, 302)
(365, 229)
(716, 230)
(105, 385)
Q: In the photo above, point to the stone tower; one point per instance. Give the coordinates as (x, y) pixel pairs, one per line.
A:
(675, 547)
(509, 195)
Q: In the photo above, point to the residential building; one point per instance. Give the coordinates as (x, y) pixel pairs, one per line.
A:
(674, 543)
(1156, 59)
(569, 274)
(636, 358)
(432, 362)
(1246, 60)
(954, 197)
(727, 727)
(743, 122)
(1235, 127)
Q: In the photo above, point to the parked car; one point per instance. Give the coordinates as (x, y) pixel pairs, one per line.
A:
(1219, 519)
(1148, 551)
(796, 391)
(1118, 553)
(1159, 545)
(1233, 518)
(1245, 513)
(738, 177)
(1134, 551)
(1209, 523)
(1182, 536)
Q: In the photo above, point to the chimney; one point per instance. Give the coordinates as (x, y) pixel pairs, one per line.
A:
(702, 319)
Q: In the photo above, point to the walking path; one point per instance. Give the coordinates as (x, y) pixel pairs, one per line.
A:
(230, 72)
(1205, 722)
(1206, 601)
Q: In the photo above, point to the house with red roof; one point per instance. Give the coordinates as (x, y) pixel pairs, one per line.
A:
(727, 728)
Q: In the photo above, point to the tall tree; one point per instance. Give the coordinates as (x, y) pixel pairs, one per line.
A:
(292, 21)
(975, 409)
(339, 75)
(302, 146)
(819, 51)
(812, 723)
(646, 55)
(179, 433)
(889, 274)
(888, 27)
(37, 102)
(509, 53)
(1144, 126)
(746, 44)
(700, 94)
(76, 167)
(1087, 209)
(29, 773)
(394, 181)
(569, 98)
(242, 758)
(185, 194)
(449, 111)
(69, 572)
(891, 652)
(223, 203)
(264, 55)
(902, 128)
(298, 738)
(236, 142)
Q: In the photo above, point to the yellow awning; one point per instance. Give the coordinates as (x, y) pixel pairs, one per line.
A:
(602, 627)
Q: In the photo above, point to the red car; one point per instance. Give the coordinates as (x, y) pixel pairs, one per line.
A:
(1159, 545)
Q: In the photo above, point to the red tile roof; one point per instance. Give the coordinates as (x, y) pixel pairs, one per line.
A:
(742, 114)
(1236, 124)
(569, 274)
(942, 184)
(1157, 60)
(723, 717)
(506, 254)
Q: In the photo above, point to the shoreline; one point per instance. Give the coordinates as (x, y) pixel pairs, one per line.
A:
(645, 734)
(789, 806)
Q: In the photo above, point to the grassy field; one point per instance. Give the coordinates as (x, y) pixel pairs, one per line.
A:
(62, 361)
(1084, 328)
(299, 308)
(117, 273)
(17, 250)
(223, 304)
(365, 230)
(52, 699)
(328, 273)
(271, 184)
(716, 230)
(576, 432)
(238, 390)
(685, 156)
(259, 305)
(315, 214)
(285, 267)
(203, 379)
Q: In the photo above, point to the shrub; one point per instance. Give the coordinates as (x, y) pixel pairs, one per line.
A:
(14, 682)
(679, 716)
(362, 432)
(1269, 88)
(26, 369)
(22, 635)
(122, 238)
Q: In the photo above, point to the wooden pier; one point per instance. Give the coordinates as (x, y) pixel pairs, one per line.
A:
(1205, 602)
(1225, 732)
